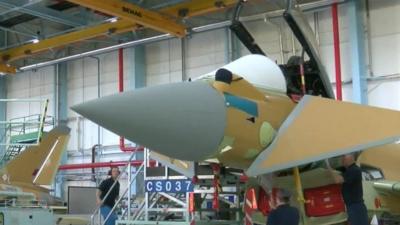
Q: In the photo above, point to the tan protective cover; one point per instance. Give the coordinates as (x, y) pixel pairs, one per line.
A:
(386, 158)
(320, 128)
(39, 164)
(246, 144)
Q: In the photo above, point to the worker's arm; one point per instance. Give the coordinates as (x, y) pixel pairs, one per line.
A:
(98, 199)
(100, 190)
(336, 177)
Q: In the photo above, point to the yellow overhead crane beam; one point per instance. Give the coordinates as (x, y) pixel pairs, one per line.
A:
(7, 69)
(65, 39)
(187, 9)
(135, 14)
(197, 8)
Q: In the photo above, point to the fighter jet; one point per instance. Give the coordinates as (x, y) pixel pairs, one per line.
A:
(247, 115)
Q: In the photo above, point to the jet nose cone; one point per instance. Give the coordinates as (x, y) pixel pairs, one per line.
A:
(182, 120)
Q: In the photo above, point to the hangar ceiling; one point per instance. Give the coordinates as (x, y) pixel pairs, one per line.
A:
(33, 31)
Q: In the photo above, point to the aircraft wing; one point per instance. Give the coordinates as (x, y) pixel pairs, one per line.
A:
(320, 128)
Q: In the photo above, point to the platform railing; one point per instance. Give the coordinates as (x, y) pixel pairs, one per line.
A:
(30, 127)
(125, 192)
(151, 209)
(19, 126)
(127, 169)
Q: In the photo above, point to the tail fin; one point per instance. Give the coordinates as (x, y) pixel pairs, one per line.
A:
(39, 164)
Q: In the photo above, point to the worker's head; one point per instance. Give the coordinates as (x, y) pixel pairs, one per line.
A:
(283, 196)
(348, 159)
(114, 172)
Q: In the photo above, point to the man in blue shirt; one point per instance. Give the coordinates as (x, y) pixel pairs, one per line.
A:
(352, 191)
(283, 214)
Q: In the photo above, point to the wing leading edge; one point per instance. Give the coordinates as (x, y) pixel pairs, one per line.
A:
(320, 128)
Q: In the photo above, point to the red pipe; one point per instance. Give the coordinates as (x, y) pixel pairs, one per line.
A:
(135, 163)
(121, 89)
(121, 70)
(336, 45)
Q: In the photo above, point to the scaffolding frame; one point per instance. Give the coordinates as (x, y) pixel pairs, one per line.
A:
(152, 211)
(25, 131)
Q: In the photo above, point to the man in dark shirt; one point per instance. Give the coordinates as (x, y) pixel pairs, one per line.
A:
(283, 214)
(108, 203)
(352, 191)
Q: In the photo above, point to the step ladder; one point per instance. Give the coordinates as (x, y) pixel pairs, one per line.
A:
(11, 152)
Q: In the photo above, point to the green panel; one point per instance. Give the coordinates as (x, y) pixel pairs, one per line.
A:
(25, 138)
(267, 134)
(26, 216)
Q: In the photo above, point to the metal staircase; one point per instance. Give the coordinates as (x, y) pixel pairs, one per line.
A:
(12, 151)
(160, 207)
(96, 218)
(163, 207)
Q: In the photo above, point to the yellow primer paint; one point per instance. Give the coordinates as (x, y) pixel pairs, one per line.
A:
(251, 138)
